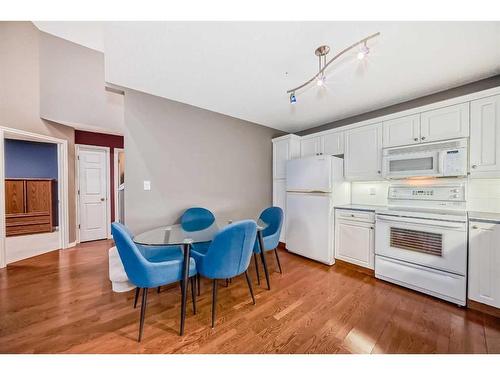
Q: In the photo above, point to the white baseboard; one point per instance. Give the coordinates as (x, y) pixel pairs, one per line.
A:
(71, 244)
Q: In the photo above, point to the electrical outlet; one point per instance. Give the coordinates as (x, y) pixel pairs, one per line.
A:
(147, 185)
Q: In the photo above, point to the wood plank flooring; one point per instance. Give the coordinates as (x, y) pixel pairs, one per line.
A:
(62, 302)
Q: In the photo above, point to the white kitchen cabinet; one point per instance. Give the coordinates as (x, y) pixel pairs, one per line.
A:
(355, 237)
(333, 143)
(311, 146)
(363, 153)
(284, 148)
(402, 131)
(279, 200)
(445, 123)
(485, 137)
(484, 263)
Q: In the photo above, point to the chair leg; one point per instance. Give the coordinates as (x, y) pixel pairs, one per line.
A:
(256, 267)
(159, 289)
(214, 300)
(227, 283)
(193, 293)
(198, 279)
(136, 297)
(143, 311)
(278, 260)
(249, 282)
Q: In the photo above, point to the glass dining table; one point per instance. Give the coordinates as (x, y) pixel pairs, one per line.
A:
(175, 235)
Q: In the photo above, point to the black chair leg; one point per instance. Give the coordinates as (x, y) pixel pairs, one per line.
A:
(159, 289)
(136, 297)
(193, 293)
(256, 267)
(227, 283)
(198, 279)
(214, 300)
(278, 259)
(249, 282)
(143, 311)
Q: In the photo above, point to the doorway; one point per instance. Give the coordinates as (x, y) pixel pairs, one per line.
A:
(40, 219)
(93, 193)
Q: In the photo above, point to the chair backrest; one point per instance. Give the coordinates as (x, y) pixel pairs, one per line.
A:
(273, 216)
(136, 266)
(196, 218)
(230, 252)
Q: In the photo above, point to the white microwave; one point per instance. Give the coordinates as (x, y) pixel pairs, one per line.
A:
(436, 159)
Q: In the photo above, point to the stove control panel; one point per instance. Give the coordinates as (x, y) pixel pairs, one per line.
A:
(436, 193)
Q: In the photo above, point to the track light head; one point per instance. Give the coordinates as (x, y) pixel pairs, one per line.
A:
(321, 80)
(293, 98)
(363, 52)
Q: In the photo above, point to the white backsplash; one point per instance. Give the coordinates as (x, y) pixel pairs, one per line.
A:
(371, 192)
(482, 194)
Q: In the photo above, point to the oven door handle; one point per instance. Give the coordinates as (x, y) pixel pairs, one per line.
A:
(434, 223)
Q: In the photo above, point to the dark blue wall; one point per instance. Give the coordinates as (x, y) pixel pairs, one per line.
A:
(25, 159)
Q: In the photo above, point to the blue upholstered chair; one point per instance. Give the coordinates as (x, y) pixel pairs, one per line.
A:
(195, 219)
(148, 267)
(273, 217)
(228, 255)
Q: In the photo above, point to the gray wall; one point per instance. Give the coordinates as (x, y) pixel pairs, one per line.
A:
(72, 87)
(20, 95)
(193, 157)
(418, 102)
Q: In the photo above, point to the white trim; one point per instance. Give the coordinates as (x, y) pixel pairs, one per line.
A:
(79, 147)
(63, 206)
(428, 107)
(116, 178)
(72, 244)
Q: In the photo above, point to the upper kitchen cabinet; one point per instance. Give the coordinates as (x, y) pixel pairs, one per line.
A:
(363, 153)
(445, 123)
(284, 148)
(485, 137)
(333, 143)
(311, 146)
(402, 131)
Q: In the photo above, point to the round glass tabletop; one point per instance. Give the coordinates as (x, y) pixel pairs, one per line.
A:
(175, 235)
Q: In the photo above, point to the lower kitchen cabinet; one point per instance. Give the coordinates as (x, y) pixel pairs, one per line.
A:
(355, 237)
(484, 263)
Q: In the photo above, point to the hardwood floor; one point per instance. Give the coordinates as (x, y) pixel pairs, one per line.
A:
(61, 302)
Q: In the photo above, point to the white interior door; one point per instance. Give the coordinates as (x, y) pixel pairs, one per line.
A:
(93, 194)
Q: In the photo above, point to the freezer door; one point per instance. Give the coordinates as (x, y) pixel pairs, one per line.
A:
(309, 174)
(309, 226)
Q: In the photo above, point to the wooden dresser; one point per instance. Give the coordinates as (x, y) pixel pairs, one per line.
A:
(30, 206)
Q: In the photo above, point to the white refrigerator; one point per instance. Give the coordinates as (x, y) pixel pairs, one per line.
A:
(314, 186)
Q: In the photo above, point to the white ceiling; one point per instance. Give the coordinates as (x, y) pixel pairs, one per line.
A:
(243, 69)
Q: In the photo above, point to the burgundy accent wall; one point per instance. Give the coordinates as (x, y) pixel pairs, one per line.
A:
(103, 140)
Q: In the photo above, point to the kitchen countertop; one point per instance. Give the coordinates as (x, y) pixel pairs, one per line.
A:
(490, 217)
(361, 207)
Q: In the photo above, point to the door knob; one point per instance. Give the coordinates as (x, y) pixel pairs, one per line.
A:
(102, 199)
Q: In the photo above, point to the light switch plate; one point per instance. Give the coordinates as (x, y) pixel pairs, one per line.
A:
(147, 185)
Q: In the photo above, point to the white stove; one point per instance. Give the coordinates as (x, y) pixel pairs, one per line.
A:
(421, 240)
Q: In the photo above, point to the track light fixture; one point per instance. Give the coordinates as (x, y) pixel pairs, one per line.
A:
(321, 52)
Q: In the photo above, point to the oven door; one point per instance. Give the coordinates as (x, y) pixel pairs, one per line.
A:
(411, 165)
(431, 243)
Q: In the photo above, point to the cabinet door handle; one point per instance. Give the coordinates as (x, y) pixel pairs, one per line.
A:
(474, 227)
(415, 139)
(379, 172)
(423, 138)
(474, 166)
